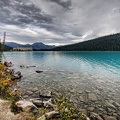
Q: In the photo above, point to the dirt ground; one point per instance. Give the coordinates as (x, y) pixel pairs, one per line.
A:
(6, 114)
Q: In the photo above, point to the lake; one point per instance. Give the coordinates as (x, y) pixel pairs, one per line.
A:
(97, 64)
(83, 77)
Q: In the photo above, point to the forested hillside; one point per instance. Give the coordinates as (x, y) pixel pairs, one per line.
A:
(105, 43)
(5, 48)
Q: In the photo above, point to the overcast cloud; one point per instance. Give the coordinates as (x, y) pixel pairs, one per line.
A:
(58, 22)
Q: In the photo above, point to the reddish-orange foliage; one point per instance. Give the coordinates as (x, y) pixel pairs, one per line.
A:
(5, 82)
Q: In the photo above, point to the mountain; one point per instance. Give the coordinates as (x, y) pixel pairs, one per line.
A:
(13, 44)
(35, 46)
(41, 46)
(105, 43)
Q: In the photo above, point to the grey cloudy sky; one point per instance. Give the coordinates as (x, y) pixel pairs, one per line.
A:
(58, 22)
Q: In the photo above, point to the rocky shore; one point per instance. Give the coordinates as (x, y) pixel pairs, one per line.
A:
(90, 104)
(44, 106)
(96, 97)
(99, 100)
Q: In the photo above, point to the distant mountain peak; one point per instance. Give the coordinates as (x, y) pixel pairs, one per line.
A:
(38, 43)
(35, 46)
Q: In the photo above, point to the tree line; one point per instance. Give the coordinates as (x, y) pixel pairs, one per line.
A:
(105, 43)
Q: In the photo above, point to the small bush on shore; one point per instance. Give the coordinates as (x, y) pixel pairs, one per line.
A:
(5, 82)
(5, 87)
(67, 110)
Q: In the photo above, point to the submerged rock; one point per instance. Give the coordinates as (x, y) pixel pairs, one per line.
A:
(87, 91)
(45, 94)
(94, 116)
(109, 118)
(90, 109)
(110, 105)
(84, 111)
(29, 92)
(31, 66)
(34, 89)
(39, 71)
(92, 97)
(22, 66)
(116, 104)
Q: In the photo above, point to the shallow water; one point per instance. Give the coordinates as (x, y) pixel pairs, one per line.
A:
(97, 64)
(74, 74)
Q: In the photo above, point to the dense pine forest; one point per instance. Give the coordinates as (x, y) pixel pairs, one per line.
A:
(105, 43)
(5, 48)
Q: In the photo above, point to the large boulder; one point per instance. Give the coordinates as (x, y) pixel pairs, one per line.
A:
(37, 102)
(8, 64)
(27, 106)
(46, 104)
(11, 71)
(16, 75)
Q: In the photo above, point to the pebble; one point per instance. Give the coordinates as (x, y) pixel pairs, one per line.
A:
(110, 105)
(81, 99)
(92, 97)
(116, 104)
(95, 116)
(90, 109)
(83, 110)
(29, 92)
(34, 89)
(42, 118)
(109, 118)
(87, 91)
(80, 92)
(101, 109)
(45, 93)
(25, 96)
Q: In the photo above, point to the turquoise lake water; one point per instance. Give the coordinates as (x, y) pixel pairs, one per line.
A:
(97, 64)
(77, 75)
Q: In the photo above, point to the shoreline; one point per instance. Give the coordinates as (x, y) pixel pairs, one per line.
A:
(90, 95)
(52, 106)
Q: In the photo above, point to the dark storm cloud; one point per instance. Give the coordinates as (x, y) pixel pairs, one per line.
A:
(21, 13)
(4, 3)
(116, 10)
(65, 4)
(34, 13)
